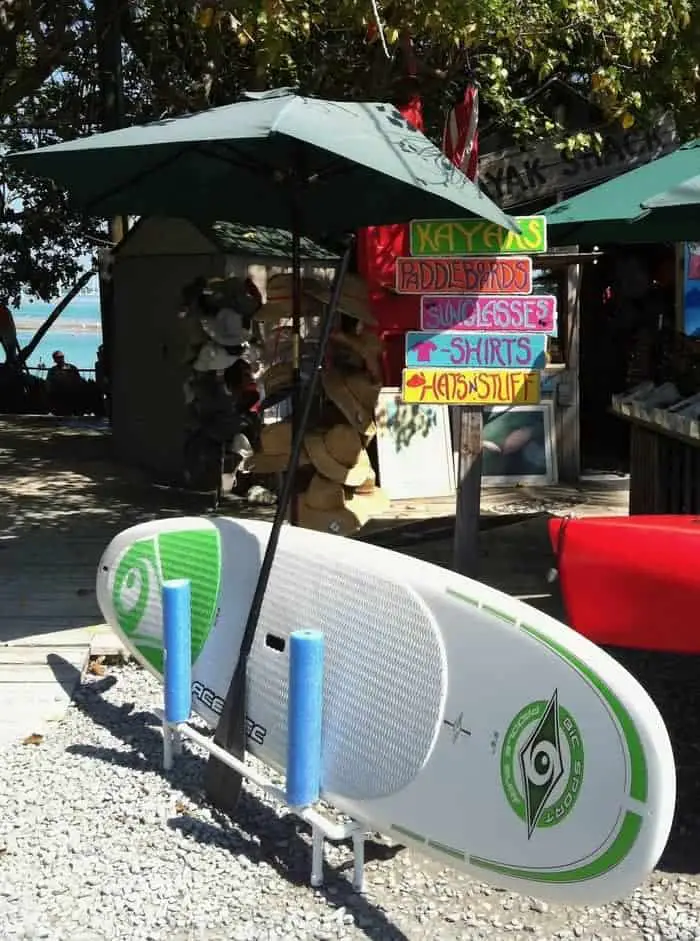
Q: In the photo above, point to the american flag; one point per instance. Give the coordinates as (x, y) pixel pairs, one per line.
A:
(460, 139)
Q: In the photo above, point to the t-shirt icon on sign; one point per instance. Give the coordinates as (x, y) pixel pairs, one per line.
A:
(424, 350)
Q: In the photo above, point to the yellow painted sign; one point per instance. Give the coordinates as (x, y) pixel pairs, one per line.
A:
(471, 386)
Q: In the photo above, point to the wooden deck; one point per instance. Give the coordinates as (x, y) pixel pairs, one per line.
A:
(61, 501)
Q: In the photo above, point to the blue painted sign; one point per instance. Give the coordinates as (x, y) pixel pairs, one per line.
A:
(476, 350)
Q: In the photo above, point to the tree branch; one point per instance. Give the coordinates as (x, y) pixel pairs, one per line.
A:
(50, 52)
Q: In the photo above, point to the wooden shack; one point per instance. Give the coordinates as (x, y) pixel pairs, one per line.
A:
(152, 264)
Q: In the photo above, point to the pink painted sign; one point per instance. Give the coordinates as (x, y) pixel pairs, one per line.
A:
(533, 313)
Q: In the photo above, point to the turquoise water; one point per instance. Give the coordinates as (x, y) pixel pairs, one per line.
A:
(79, 346)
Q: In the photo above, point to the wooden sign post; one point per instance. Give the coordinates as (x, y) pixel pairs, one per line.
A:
(482, 339)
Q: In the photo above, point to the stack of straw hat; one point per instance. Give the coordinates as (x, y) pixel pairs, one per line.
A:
(338, 492)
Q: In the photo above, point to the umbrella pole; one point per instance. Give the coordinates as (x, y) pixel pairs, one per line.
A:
(222, 784)
(296, 355)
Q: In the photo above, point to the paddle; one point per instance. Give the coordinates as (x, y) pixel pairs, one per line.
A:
(221, 783)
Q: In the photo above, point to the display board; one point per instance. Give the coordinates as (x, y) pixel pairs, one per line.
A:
(414, 448)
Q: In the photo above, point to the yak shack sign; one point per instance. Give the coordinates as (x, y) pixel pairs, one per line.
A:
(439, 237)
(516, 175)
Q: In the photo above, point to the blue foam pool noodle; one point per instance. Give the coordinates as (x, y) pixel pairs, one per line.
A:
(177, 647)
(305, 717)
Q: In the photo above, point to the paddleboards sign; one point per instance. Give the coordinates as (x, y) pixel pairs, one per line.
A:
(476, 350)
(439, 237)
(510, 274)
(470, 386)
(534, 313)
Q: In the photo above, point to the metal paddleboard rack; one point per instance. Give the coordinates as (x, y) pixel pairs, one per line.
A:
(303, 729)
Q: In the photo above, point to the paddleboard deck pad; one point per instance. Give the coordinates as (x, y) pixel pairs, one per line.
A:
(456, 718)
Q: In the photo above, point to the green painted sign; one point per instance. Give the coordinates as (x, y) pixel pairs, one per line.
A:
(437, 238)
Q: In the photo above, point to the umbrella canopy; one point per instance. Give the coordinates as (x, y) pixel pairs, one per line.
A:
(685, 194)
(277, 159)
(614, 212)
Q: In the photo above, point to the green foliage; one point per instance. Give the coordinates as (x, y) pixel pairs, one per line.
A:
(630, 57)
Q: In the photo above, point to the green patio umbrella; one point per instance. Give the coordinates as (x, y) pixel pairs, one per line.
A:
(278, 159)
(617, 211)
(685, 194)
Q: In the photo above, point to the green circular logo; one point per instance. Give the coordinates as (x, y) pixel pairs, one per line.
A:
(542, 761)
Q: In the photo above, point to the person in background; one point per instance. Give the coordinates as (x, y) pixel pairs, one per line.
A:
(63, 386)
(101, 383)
(8, 333)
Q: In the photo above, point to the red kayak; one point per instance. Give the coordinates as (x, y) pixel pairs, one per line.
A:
(631, 581)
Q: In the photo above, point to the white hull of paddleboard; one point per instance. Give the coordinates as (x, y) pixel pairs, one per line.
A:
(456, 718)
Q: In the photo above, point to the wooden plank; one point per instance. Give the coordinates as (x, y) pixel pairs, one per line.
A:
(466, 539)
(570, 450)
(33, 655)
(19, 674)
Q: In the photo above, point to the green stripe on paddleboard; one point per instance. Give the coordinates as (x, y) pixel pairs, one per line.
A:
(639, 778)
(447, 850)
(410, 834)
(612, 857)
(457, 594)
(418, 838)
(639, 783)
(499, 614)
(622, 845)
(484, 607)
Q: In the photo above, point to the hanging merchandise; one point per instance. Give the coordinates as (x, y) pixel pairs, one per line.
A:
(335, 490)
(218, 347)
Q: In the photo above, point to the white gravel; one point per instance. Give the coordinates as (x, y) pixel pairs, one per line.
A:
(97, 842)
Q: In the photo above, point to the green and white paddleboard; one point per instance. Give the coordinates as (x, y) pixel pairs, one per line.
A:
(456, 718)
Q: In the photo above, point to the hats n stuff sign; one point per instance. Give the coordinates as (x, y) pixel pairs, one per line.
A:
(518, 175)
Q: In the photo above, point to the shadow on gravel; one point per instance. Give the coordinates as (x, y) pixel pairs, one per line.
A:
(258, 833)
(672, 682)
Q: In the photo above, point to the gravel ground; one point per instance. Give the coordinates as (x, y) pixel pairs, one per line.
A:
(97, 842)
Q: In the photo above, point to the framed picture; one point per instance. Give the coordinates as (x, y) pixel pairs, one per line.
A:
(414, 448)
(519, 446)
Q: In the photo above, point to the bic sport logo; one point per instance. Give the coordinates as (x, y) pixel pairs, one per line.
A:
(542, 764)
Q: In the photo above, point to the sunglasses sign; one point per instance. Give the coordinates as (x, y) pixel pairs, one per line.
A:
(483, 333)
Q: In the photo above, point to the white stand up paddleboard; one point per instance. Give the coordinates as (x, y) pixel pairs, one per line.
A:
(456, 718)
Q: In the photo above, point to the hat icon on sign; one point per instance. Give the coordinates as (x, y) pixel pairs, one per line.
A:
(415, 381)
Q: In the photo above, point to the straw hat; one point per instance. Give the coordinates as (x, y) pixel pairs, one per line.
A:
(329, 507)
(280, 298)
(338, 455)
(275, 449)
(354, 297)
(363, 350)
(355, 395)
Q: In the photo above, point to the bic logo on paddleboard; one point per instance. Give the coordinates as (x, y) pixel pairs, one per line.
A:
(136, 590)
(542, 764)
